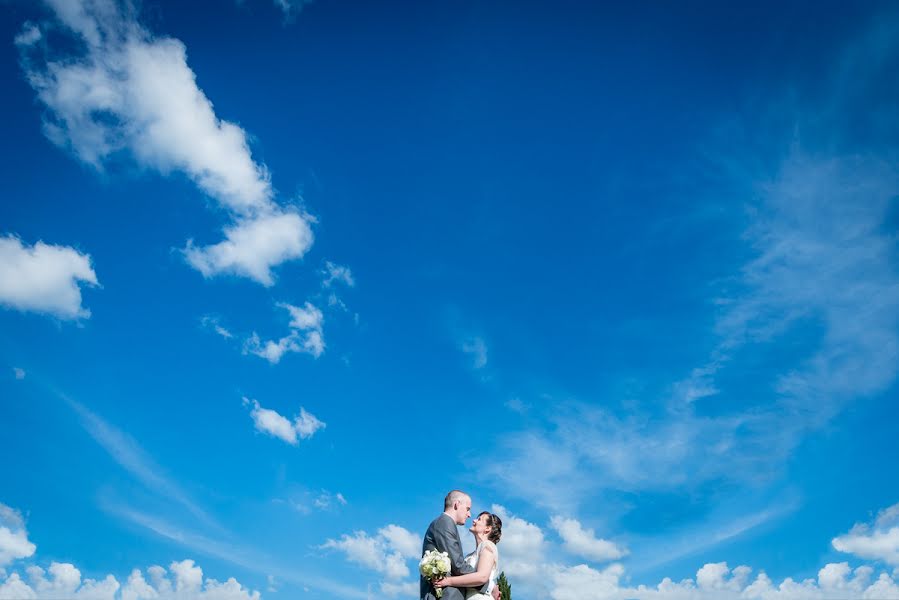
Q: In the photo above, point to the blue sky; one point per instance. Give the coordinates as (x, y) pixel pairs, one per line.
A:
(276, 276)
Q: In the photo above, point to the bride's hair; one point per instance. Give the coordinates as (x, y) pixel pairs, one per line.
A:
(496, 526)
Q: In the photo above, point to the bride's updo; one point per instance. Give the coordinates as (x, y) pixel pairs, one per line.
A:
(496, 527)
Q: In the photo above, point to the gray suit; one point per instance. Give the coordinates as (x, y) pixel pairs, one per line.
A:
(443, 536)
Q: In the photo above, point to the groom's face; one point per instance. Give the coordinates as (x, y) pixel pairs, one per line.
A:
(463, 510)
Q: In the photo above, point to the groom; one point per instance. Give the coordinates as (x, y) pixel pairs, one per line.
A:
(443, 536)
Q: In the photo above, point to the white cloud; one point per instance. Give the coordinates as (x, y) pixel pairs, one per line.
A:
(371, 552)
(334, 273)
(14, 543)
(535, 570)
(583, 583)
(18, 373)
(253, 246)
(188, 577)
(476, 347)
(522, 547)
(243, 556)
(407, 589)
(713, 581)
(306, 424)
(215, 325)
(14, 588)
(404, 541)
(183, 581)
(306, 335)
(583, 542)
(44, 278)
(130, 92)
(877, 541)
(385, 553)
(272, 423)
(64, 580)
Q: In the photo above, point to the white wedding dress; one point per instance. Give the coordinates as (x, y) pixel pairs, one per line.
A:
(472, 560)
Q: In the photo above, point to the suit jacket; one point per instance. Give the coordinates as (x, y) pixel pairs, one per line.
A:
(443, 536)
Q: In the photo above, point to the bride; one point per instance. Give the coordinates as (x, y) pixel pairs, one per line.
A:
(480, 585)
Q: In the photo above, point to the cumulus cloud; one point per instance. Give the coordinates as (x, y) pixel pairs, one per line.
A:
(715, 581)
(876, 541)
(583, 542)
(272, 423)
(128, 92)
(404, 541)
(253, 246)
(385, 552)
(183, 581)
(523, 548)
(44, 278)
(535, 570)
(306, 335)
(18, 373)
(14, 543)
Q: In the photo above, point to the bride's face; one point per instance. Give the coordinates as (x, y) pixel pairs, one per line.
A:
(479, 525)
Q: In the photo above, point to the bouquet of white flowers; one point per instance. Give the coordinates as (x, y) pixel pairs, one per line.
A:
(435, 565)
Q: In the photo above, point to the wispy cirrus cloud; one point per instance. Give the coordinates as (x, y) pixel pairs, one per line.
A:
(820, 257)
(242, 555)
(118, 90)
(44, 278)
(125, 451)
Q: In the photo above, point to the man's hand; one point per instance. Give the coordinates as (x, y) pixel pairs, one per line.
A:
(497, 595)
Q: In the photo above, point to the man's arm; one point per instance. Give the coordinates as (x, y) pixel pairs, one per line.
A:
(449, 539)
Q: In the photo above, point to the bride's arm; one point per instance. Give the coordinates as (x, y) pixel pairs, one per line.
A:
(486, 560)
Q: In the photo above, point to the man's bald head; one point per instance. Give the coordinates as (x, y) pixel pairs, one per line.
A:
(457, 505)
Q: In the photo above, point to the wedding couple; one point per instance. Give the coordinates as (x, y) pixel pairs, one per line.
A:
(474, 576)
